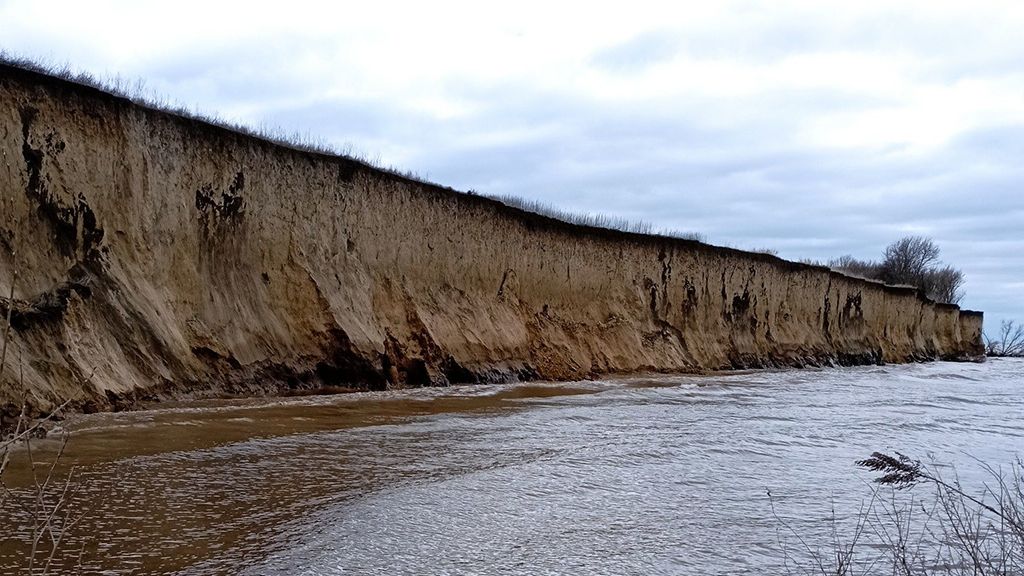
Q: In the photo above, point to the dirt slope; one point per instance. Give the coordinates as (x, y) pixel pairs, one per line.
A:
(162, 257)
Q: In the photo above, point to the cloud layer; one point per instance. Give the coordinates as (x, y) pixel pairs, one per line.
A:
(817, 129)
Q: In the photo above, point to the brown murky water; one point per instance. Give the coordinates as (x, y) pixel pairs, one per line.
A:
(663, 475)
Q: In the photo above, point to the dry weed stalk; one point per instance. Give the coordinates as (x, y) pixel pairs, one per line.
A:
(47, 503)
(950, 531)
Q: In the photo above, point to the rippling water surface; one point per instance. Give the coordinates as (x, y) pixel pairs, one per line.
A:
(652, 475)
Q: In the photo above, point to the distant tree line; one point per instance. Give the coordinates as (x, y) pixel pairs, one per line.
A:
(910, 261)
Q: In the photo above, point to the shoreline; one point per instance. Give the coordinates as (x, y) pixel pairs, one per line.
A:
(163, 257)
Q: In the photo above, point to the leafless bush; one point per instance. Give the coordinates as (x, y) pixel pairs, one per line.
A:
(908, 258)
(914, 260)
(910, 261)
(948, 530)
(1009, 341)
(944, 284)
(45, 506)
(840, 560)
(862, 268)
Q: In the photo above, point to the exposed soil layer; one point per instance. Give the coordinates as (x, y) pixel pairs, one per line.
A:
(160, 257)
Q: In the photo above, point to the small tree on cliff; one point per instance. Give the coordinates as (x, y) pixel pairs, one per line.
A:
(944, 284)
(910, 261)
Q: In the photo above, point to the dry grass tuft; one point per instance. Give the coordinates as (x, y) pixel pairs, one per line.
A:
(137, 92)
(595, 220)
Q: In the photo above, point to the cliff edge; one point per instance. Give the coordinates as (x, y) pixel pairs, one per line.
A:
(145, 255)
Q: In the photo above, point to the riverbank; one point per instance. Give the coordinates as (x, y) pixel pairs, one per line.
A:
(159, 257)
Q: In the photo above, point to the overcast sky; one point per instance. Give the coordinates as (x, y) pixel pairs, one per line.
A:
(814, 128)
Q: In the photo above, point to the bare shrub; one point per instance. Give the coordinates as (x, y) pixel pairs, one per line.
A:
(914, 261)
(944, 284)
(816, 262)
(46, 506)
(1009, 341)
(907, 259)
(948, 530)
(854, 267)
(684, 235)
(910, 261)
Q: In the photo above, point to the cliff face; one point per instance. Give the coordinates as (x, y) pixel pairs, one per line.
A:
(156, 256)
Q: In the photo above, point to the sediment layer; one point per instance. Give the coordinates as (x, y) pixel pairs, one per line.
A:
(154, 256)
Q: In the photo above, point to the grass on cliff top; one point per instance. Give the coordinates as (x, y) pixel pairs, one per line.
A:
(595, 220)
(137, 92)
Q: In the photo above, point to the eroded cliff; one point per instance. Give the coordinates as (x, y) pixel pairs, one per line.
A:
(155, 256)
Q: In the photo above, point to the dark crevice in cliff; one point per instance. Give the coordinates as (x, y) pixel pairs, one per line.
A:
(826, 313)
(666, 330)
(690, 302)
(46, 306)
(76, 232)
(738, 309)
(457, 373)
(343, 366)
(7, 240)
(402, 368)
(418, 360)
(214, 358)
(33, 157)
(852, 318)
(229, 208)
(666, 277)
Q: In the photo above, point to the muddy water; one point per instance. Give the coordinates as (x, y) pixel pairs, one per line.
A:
(659, 475)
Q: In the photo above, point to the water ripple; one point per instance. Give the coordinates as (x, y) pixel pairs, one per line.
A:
(647, 475)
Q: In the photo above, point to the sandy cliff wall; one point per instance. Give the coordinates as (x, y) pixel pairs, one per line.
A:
(158, 256)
